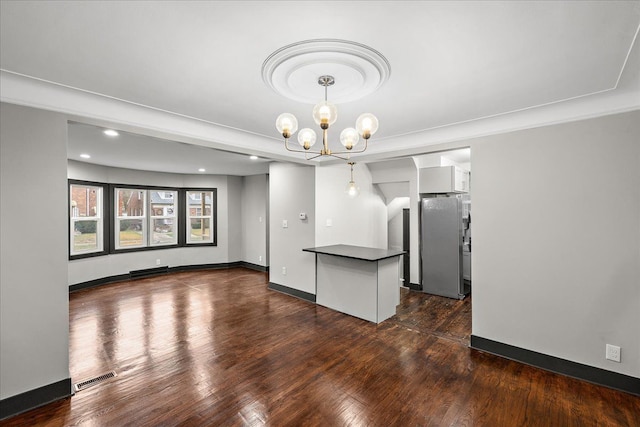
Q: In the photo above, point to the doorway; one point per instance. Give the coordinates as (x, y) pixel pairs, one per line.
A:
(406, 246)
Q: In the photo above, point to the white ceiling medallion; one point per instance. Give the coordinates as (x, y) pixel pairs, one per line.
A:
(293, 70)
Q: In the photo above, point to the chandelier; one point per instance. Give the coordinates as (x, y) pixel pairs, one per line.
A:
(325, 114)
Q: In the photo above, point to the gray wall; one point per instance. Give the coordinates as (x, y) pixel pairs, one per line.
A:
(394, 232)
(234, 218)
(291, 191)
(397, 171)
(34, 305)
(395, 225)
(556, 240)
(229, 248)
(359, 221)
(255, 199)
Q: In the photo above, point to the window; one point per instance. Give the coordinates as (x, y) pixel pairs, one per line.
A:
(200, 223)
(145, 218)
(163, 218)
(131, 218)
(113, 218)
(86, 226)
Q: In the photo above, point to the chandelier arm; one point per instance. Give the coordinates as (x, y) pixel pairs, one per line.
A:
(366, 144)
(306, 157)
(339, 157)
(286, 145)
(351, 151)
(324, 152)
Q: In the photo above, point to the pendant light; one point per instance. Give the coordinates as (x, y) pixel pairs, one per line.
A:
(352, 189)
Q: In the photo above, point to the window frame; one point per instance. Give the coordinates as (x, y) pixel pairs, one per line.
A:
(175, 217)
(102, 228)
(213, 217)
(147, 218)
(117, 217)
(110, 223)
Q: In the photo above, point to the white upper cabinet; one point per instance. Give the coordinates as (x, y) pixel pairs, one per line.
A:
(444, 179)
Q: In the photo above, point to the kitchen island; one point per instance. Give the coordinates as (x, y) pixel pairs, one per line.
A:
(363, 282)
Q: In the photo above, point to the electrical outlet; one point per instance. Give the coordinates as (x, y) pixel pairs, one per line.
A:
(329, 222)
(285, 223)
(613, 353)
(260, 258)
(158, 261)
(284, 271)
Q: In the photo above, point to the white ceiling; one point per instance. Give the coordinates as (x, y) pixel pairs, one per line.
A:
(141, 152)
(193, 69)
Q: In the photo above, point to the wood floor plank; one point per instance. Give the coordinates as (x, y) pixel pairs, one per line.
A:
(218, 348)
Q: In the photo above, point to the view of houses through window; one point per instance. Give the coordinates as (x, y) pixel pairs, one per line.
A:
(138, 226)
(200, 216)
(131, 221)
(142, 218)
(163, 217)
(86, 219)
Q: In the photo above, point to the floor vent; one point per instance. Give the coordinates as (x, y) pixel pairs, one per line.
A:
(93, 381)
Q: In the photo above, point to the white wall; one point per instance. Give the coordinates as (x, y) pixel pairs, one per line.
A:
(291, 191)
(556, 240)
(229, 241)
(404, 170)
(255, 199)
(395, 225)
(34, 304)
(359, 221)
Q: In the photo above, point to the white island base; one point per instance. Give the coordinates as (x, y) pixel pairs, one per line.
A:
(362, 282)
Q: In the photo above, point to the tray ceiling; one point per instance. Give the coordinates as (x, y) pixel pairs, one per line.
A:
(453, 63)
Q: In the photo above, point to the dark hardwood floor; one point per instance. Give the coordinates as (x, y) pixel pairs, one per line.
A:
(216, 348)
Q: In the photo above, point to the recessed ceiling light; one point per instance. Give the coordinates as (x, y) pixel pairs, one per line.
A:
(85, 156)
(201, 170)
(111, 132)
(254, 157)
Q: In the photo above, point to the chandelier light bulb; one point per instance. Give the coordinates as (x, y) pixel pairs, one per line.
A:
(306, 138)
(367, 125)
(325, 114)
(349, 138)
(287, 124)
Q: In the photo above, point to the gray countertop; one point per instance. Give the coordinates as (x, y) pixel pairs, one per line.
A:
(355, 252)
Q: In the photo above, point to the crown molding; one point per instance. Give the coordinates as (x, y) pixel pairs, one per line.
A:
(98, 109)
(604, 103)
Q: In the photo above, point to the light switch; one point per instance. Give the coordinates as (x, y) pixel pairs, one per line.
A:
(285, 224)
(329, 222)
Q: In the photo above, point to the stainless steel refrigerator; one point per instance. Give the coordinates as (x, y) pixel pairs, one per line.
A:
(441, 246)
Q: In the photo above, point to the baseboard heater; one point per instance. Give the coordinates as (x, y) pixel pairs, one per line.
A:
(137, 274)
